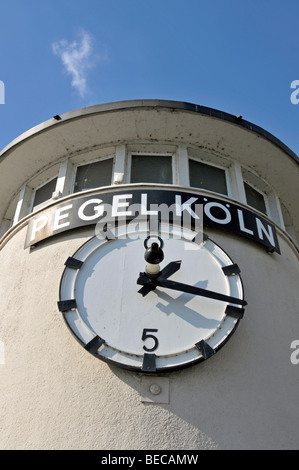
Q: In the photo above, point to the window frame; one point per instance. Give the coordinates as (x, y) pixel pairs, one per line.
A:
(263, 193)
(34, 191)
(235, 176)
(288, 225)
(223, 168)
(151, 154)
(89, 162)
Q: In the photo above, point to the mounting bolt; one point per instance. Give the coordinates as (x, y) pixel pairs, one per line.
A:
(155, 389)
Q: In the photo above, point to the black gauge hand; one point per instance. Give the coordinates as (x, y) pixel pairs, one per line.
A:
(166, 272)
(198, 291)
(160, 282)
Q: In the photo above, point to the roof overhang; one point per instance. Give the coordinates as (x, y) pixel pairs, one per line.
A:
(150, 121)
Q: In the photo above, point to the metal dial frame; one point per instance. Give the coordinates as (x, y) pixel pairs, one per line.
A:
(153, 352)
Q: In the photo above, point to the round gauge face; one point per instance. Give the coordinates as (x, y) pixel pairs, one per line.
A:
(121, 315)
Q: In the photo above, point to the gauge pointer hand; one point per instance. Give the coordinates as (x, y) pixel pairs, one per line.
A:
(153, 277)
(146, 281)
(160, 282)
(198, 291)
(170, 269)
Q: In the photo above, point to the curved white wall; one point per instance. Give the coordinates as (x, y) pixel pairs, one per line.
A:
(55, 395)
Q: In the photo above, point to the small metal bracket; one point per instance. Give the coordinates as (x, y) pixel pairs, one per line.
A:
(94, 344)
(73, 263)
(149, 363)
(235, 312)
(231, 270)
(66, 305)
(205, 349)
(154, 389)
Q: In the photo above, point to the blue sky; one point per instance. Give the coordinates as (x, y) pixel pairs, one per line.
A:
(237, 56)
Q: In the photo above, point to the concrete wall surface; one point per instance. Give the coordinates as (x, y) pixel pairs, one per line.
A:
(55, 395)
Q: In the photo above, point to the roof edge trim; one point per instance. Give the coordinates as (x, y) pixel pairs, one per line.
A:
(149, 103)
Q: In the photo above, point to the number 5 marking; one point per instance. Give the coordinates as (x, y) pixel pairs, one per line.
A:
(146, 335)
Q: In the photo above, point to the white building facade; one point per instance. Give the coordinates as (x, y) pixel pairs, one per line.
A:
(160, 370)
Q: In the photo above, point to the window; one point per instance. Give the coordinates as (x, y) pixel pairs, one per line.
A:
(151, 169)
(288, 223)
(94, 175)
(44, 193)
(207, 177)
(255, 198)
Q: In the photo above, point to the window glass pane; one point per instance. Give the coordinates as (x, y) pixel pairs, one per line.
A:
(288, 223)
(94, 175)
(255, 198)
(286, 216)
(44, 193)
(151, 169)
(207, 177)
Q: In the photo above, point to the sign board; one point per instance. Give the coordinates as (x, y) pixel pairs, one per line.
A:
(106, 206)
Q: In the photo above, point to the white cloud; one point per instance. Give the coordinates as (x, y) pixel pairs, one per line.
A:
(77, 58)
